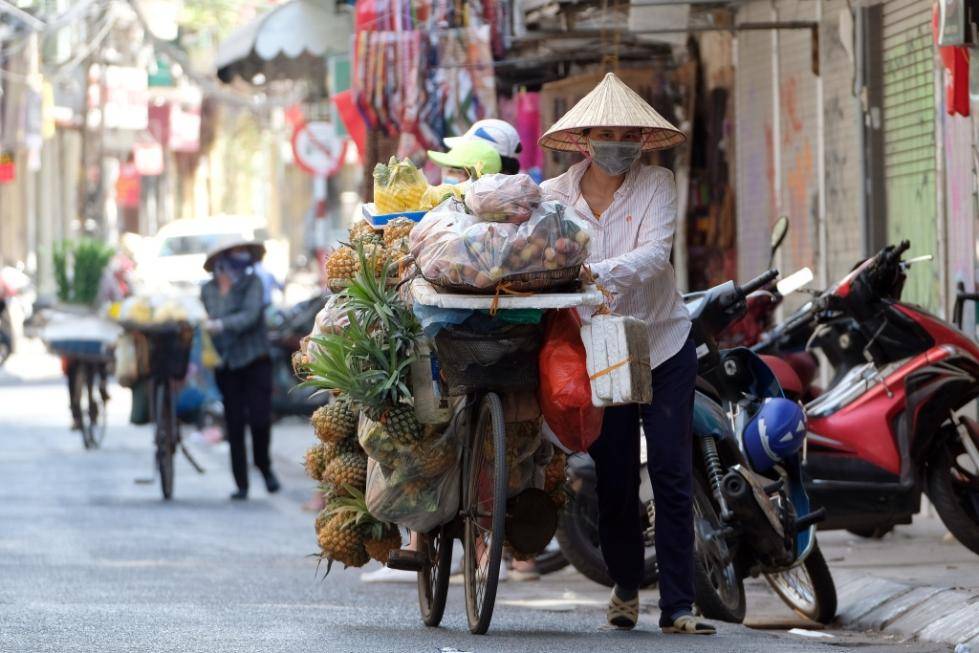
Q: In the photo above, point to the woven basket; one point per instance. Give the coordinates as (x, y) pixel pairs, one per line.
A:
(168, 345)
(504, 359)
(563, 279)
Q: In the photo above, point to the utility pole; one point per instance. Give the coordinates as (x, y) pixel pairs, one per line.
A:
(91, 188)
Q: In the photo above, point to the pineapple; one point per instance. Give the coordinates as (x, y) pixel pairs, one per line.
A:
(362, 232)
(341, 539)
(335, 421)
(435, 460)
(342, 264)
(315, 462)
(300, 365)
(396, 230)
(347, 469)
(379, 537)
(401, 425)
(379, 548)
(332, 450)
(398, 186)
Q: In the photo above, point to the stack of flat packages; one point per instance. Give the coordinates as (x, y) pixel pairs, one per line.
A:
(617, 351)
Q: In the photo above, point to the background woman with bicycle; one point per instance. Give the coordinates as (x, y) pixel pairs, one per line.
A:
(234, 300)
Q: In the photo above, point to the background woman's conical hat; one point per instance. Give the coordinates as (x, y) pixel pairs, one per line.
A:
(611, 104)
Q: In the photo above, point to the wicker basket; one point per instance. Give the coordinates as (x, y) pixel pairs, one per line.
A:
(168, 348)
(563, 279)
(504, 359)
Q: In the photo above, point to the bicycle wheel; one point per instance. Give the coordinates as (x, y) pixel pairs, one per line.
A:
(166, 437)
(433, 580)
(81, 397)
(97, 414)
(485, 512)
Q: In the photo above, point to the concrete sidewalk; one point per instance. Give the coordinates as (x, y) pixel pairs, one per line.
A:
(915, 583)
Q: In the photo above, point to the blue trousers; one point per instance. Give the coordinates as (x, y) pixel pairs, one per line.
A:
(668, 425)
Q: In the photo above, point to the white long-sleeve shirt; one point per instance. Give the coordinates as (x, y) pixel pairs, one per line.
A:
(630, 250)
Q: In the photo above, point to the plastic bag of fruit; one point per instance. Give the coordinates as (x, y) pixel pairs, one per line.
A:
(503, 198)
(455, 248)
(398, 186)
(415, 486)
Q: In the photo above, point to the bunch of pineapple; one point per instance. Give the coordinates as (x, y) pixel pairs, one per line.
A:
(398, 186)
(396, 238)
(369, 360)
(349, 534)
(337, 461)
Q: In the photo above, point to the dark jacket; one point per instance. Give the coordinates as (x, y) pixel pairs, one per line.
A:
(242, 339)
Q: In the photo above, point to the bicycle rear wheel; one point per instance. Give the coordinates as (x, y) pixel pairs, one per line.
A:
(97, 413)
(166, 436)
(81, 398)
(485, 512)
(433, 580)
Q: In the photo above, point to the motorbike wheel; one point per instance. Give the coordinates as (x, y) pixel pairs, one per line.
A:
(953, 486)
(718, 585)
(874, 533)
(577, 535)
(808, 588)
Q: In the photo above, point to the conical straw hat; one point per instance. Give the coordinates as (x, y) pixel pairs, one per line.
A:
(611, 104)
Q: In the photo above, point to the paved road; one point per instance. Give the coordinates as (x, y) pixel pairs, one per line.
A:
(92, 561)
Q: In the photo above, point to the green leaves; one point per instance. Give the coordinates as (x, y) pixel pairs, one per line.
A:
(78, 268)
(369, 359)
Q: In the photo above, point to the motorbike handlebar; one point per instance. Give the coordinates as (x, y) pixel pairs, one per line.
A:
(759, 282)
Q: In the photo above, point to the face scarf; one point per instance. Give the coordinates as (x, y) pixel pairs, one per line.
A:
(614, 157)
(233, 265)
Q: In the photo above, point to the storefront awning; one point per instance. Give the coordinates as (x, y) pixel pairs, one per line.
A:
(289, 42)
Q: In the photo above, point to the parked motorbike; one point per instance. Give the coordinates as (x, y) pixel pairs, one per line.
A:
(888, 430)
(287, 328)
(752, 512)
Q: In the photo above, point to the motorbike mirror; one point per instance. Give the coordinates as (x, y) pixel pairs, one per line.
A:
(794, 281)
(779, 231)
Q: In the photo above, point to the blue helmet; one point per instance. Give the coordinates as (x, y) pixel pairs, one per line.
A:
(776, 432)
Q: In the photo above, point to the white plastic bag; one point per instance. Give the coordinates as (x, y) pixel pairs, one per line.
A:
(127, 365)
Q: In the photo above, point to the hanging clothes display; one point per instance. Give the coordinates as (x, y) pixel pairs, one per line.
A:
(425, 67)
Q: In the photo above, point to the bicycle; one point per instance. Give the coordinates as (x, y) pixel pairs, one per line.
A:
(482, 522)
(87, 377)
(168, 354)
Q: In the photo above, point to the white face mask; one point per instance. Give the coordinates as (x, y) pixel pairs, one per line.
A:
(614, 157)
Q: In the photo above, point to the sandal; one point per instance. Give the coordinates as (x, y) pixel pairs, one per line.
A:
(622, 614)
(687, 624)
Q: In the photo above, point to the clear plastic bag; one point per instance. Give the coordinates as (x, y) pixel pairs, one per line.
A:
(332, 318)
(454, 248)
(503, 198)
(398, 186)
(420, 507)
(436, 453)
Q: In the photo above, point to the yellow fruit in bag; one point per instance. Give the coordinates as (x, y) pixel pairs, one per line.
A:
(435, 195)
(398, 186)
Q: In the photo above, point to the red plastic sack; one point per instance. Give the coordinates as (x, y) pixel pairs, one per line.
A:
(565, 391)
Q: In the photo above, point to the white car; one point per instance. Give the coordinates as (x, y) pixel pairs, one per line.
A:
(173, 260)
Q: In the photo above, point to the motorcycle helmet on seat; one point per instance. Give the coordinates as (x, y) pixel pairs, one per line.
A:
(776, 432)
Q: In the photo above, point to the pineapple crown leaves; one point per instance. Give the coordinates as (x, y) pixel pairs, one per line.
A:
(360, 516)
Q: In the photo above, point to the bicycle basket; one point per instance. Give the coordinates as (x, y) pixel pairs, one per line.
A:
(551, 280)
(169, 347)
(504, 359)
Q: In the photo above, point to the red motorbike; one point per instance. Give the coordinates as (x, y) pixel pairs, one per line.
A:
(887, 429)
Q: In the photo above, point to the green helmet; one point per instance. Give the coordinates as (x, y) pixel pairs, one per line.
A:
(475, 154)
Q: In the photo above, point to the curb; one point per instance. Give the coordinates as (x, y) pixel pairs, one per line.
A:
(933, 614)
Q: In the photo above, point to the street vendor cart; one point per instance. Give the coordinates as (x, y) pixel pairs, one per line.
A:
(485, 519)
